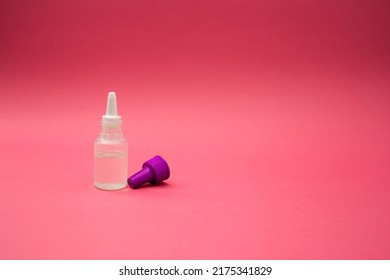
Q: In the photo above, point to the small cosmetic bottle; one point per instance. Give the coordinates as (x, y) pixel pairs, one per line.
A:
(111, 150)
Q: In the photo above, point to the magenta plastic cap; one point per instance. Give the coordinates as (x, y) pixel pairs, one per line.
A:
(154, 171)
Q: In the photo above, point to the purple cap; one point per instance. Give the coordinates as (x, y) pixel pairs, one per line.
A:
(154, 171)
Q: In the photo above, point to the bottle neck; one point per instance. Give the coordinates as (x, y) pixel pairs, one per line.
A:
(111, 133)
(111, 129)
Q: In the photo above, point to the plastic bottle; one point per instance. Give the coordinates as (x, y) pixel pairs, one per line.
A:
(111, 150)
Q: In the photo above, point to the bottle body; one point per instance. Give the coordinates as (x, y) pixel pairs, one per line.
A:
(110, 159)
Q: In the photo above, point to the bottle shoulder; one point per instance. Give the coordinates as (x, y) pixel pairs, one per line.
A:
(103, 138)
(111, 141)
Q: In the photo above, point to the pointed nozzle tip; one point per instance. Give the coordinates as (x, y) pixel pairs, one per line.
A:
(111, 110)
(131, 184)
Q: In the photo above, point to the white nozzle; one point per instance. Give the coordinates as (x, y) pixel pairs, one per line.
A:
(111, 117)
(111, 105)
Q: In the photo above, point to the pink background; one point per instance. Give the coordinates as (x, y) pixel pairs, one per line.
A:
(273, 115)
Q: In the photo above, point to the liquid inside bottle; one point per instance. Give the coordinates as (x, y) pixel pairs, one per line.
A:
(111, 151)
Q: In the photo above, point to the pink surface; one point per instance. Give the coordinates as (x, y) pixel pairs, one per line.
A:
(273, 115)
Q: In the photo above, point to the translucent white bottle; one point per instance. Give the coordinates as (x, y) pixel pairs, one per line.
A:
(111, 148)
